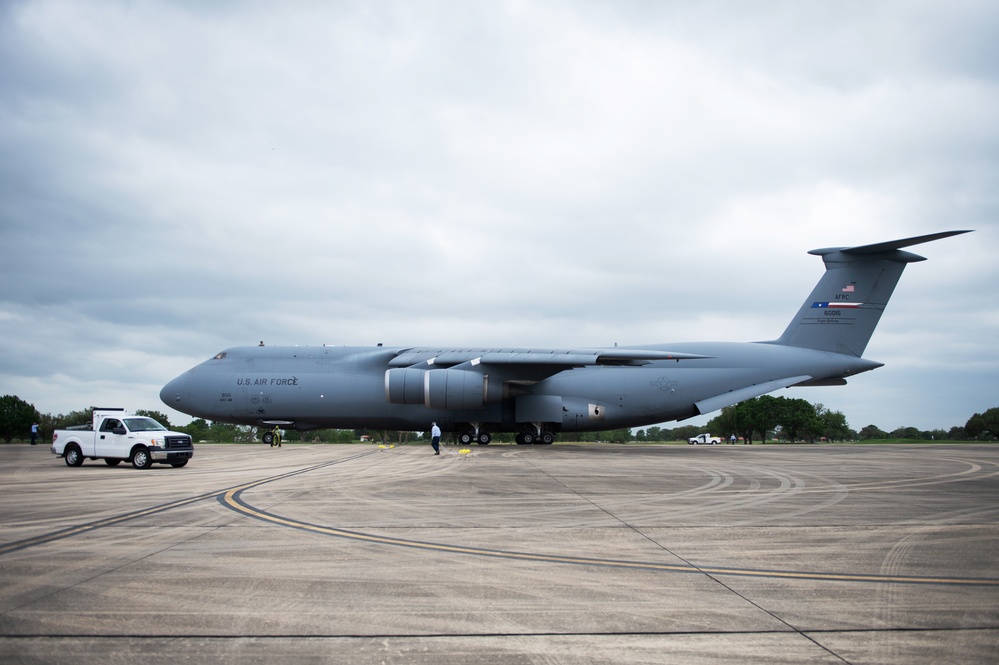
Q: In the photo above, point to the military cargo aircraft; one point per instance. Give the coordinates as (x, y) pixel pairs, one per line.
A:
(540, 392)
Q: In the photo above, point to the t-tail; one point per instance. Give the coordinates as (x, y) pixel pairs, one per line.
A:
(845, 306)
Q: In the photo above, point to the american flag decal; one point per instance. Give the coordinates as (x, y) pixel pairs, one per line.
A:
(850, 288)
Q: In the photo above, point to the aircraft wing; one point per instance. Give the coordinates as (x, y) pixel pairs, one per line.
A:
(582, 358)
(556, 359)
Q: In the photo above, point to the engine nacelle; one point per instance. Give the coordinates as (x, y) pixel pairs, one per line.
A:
(439, 388)
(404, 385)
(454, 389)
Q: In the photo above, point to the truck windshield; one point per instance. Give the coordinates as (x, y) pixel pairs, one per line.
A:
(143, 425)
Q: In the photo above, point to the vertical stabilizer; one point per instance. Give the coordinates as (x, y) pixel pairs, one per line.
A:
(845, 306)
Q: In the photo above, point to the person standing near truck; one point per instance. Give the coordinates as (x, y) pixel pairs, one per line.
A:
(34, 434)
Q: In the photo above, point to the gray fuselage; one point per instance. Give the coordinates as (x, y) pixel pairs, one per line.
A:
(345, 387)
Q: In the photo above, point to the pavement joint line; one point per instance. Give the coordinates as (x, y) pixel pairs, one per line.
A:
(417, 636)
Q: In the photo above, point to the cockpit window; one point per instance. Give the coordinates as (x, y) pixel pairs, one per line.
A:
(143, 425)
(220, 356)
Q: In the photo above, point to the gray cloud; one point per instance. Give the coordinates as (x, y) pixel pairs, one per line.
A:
(178, 179)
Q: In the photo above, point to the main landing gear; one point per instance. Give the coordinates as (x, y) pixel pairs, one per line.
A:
(543, 438)
(538, 436)
(481, 438)
(272, 438)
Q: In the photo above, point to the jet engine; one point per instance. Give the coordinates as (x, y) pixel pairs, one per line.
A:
(455, 389)
(440, 388)
(404, 386)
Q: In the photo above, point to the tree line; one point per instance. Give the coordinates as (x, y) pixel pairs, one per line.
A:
(17, 416)
(762, 418)
(796, 420)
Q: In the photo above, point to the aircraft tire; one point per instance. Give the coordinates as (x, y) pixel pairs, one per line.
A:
(268, 438)
(484, 439)
(73, 456)
(546, 439)
(465, 438)
(178, 463)
(141, 458)
(112, 462)
(529, 439)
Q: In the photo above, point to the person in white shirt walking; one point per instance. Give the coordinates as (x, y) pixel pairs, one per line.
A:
(435, 438)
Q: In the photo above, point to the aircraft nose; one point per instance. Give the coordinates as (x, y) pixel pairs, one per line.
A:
(190, 393)
(175, 393)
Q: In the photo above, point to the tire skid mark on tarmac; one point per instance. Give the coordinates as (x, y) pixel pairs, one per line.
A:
(974, 468)
(153, 510)
(889, 609)
(233, 499)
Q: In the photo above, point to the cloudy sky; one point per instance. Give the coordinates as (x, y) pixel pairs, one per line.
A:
(177, 178)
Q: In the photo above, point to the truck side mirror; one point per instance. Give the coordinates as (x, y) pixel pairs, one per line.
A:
(119, 430)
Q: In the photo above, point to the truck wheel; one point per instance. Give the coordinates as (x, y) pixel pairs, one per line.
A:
(112, 462)
(141, 458)
(73, 456)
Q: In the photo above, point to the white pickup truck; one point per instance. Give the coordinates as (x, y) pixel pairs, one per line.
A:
(704, 439)
(116, 436)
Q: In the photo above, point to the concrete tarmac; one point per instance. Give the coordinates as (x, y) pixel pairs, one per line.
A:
(505, 554)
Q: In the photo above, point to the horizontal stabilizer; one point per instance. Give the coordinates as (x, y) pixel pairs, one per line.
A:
(820, 383)
(890, 246)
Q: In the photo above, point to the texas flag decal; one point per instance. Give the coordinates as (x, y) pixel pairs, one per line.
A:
(837, 305)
